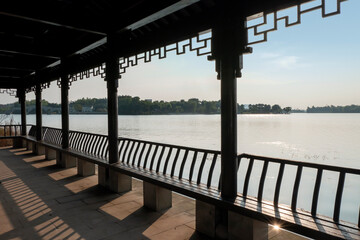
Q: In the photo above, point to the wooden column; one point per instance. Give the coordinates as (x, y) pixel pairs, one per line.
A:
(228, 44)
(38, 112)
(112, 76)
(64, 106)
(22, 100)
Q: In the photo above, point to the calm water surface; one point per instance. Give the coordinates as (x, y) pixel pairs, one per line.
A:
(332, 139)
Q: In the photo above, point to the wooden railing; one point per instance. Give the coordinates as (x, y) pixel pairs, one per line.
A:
(10, 130)
(89, 143)
(300, 166)
(192, 164)
(202, 166)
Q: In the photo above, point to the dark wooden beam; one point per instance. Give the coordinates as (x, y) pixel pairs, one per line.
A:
(112, 76)
(22, 100)
(49, 22)
(64, 105)
(38, 113)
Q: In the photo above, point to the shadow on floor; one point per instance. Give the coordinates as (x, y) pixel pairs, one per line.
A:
(39, 200)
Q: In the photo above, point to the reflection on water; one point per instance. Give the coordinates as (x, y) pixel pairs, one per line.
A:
(331, 139)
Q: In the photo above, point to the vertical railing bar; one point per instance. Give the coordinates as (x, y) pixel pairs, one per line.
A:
(262, 180)
(247, 178)
(83, 143)
(71, 137)
(104, 148)
(122, 158)
(174, 162)
(338, 198)
(101, 142)
(167, 160)
(81, 139)
(121, 143)
(141, 154)
(88, 143)
(131, 149)
(96, 143)
(316, 191)
(202, 164)
(193, 165)
(93, 143)
(278, 184)
(147, 155)
(121, 146)
(53, 136)
(183, 163)
(153, 156)
(211, 170)
(91, 140)
(296, 188)
(160, 159)
(136, 153)
(76, 140)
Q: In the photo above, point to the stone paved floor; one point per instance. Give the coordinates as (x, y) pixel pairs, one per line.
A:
(39, 200)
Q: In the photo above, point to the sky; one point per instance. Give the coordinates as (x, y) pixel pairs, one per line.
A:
(314, 63)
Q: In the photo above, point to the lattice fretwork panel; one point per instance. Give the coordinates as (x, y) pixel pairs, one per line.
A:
(11, 92)
(201, 44)
(259, 27)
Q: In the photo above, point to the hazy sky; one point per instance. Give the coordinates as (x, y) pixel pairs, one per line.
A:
(314, 63)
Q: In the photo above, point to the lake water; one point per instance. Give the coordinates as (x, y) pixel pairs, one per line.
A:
(332, 139)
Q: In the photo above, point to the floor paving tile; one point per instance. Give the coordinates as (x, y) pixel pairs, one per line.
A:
(39, 200)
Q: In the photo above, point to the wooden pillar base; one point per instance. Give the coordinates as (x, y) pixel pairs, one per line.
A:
(207, 218)
(85, 168)
(156, 198)
(50, 153)
(68, 161)
(245, 228)
(39, 149)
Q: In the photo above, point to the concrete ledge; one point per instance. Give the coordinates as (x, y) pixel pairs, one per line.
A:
(156, 198)
(103, 176)
(119, 182)
(245, 228)
(50, 153)
(39, 149)
(85, 168)
(68, 161)
(24, 143)
(17, 143)
(58, 158)
(30, 145)
(207, 218)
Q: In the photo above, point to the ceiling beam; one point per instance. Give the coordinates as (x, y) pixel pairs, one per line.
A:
(33, 54)
(33, 19)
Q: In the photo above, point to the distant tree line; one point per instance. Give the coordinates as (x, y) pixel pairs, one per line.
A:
(334, 109)
(135, 106)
